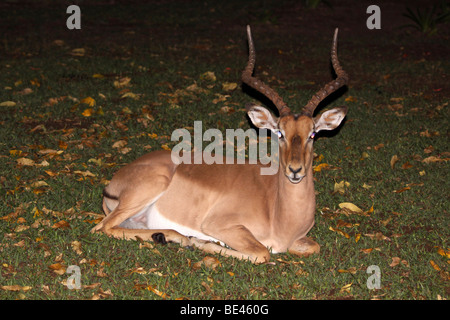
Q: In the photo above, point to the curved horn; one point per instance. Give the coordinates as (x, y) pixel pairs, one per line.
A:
(329, 88)
(257, 84)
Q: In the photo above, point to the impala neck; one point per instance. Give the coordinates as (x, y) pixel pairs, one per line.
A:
(292, 196)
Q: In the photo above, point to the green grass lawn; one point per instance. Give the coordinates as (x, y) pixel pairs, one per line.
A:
(87, 102)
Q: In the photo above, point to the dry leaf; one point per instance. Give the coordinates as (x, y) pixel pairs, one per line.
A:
(79, 52)
(58, 268)
(350, 206)
(434, 159)
(157, 292)
(119, 144)
(76, 246)
(208, 262)
(229, 86)
(321, 166)
(377, 236)
(351, 270)
(89, 101)
(25, 162)
(401, 190)
(340, 187)
(394, 160)
(61, 224)
(7, 104)
(21, 228)
(444, 253)
(16, 288)
(345, 234)
(209, 75)
(435, 266)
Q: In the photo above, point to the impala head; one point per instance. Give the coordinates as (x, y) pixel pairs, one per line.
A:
(295, 131)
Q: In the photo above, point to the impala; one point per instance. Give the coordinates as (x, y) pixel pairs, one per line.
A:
(229, 209)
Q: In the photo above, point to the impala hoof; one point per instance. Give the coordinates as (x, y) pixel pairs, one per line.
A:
(159, 238)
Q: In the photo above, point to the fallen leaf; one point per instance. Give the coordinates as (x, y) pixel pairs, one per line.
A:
(377, 236)
(401, 190)
(320, 166)
(351, 270)
(351, 99)
(340, 187)
(61, 224)
(229, 86)
(394, 160)
(209, 75)
(346, 288)
(25, 162)
(122, 82)
(208, 262)
(434, 159)
(7, 104)
(119, 144)
(350, 206)
(16, 288)
(78, 52)
(76, 246)
(435, 266)
(88, 112)
(157, 292)
(89, 101)
(57, 268)
(343, 233)
(444, 253)
(21, 228)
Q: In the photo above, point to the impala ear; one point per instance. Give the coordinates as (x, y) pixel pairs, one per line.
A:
(262, 118)
(330, 119)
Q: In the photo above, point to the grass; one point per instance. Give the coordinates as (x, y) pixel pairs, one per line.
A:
(396, 107)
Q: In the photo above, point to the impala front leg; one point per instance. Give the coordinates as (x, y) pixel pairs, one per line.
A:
(304, 247)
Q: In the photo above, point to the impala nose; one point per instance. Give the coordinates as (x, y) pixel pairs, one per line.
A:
(295, 171)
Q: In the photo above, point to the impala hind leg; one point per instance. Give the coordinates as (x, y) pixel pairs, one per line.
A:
(304, 247)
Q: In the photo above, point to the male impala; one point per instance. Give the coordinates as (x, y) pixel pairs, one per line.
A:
(199, 204)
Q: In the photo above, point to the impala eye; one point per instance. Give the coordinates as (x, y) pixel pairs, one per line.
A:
(279, 134)
(312, 135)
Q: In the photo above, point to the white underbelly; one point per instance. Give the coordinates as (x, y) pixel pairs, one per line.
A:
(155, 220)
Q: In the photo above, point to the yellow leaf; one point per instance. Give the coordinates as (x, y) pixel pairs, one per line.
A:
(88, 112)
(16, 288)
(165, 147)
(350, 206)
(351, 99)
(435, 266)
(89, 101)
(79, 52)
(321, 166)
(342, 233)
(122, 82)
(394, 160)
(157, 292)
(346, 288)
(231, 273)
(7, 104)
(15, 152)
(340, 187)
(97, 76)
(209, 75)
(444, 253)
(357, 237)
(130, 95)
(229, 86)
(351, 270)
